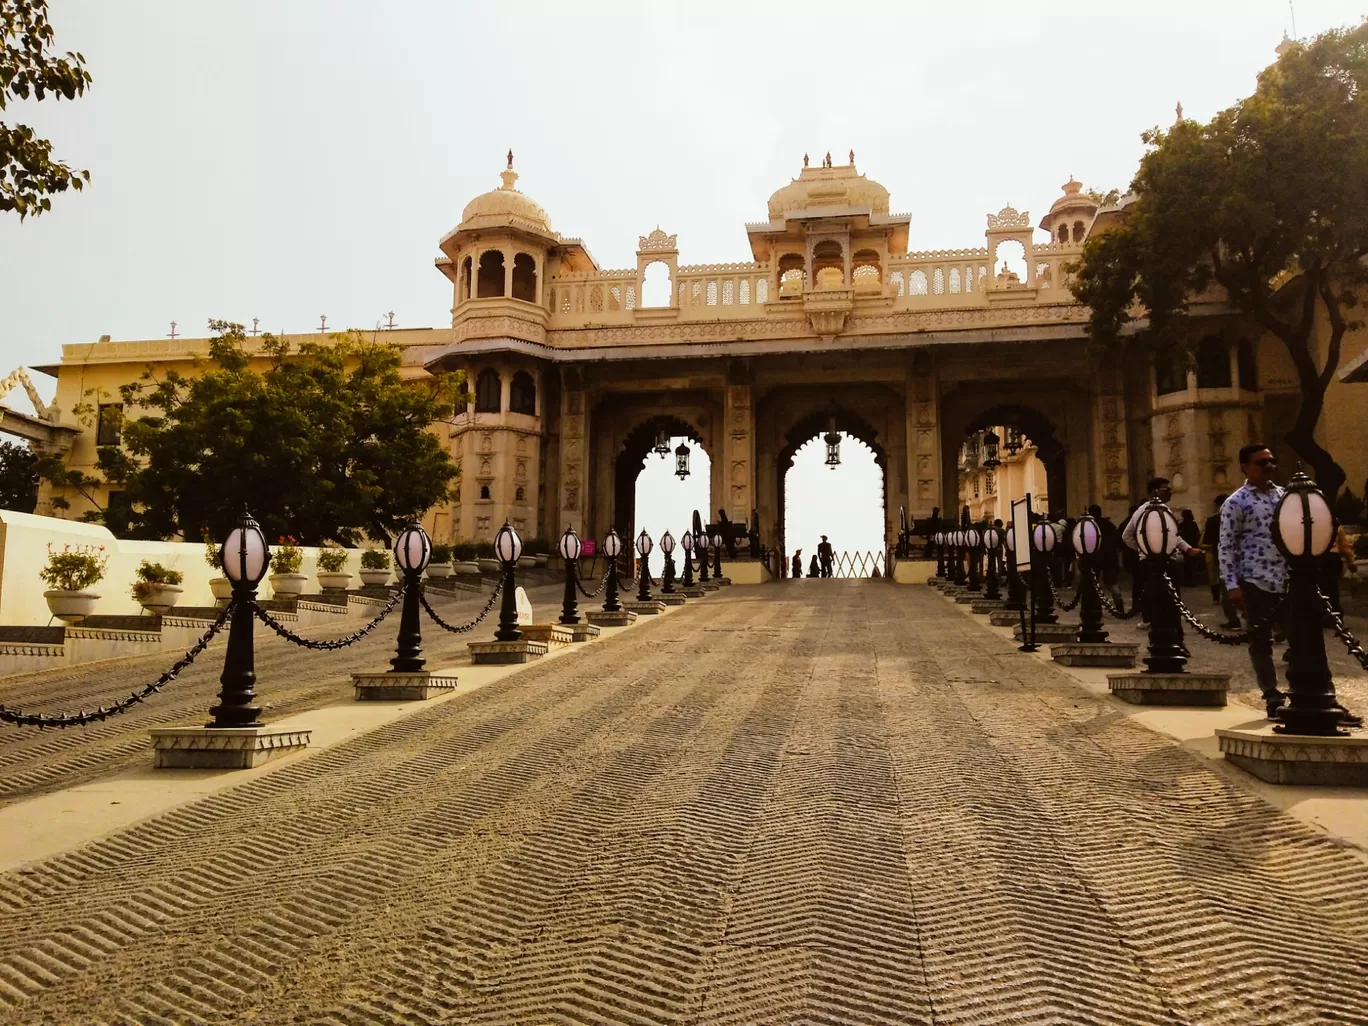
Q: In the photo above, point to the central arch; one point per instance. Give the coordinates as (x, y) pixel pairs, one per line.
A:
(631, 458)
(1042, 431)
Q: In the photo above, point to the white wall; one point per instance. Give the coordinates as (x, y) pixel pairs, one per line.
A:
(24, 540)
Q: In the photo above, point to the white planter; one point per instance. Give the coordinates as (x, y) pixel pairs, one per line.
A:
(543, 559)
(333, 582)
(526, 562)
(221, 587)
(371, 578)
(490, 566)
(71, 605)
(439, 570)
(161, 597)
(287, 585)
(466, 567)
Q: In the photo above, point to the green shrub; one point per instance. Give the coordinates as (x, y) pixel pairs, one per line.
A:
(375, 559)
(332, 560)
(464, 551)
(538, 547)
(211, 549)
(441, 553)
(152, 576)
(74, 569)
(287, 558)
(485, 550)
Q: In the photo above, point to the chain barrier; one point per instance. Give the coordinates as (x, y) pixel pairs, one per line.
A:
(595, 593)
(101, 713)
(1107, 604)
(336, 643)
(1238, 638)
(1342, 632)
(1054, 596)
(466, 627)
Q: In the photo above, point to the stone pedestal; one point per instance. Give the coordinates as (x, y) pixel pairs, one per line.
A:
(622, 618)
(223, 747)
(710, 585)
(1298, 758)
(674, 599)
(985, 606)
(1201, 689)
(1093, 653)
(552, 635)
(503, 652)
(1049, 633)
(1005, 617)
(650, 608)
(395, 687)
(582, 632)
(692, 592)
(966, 598)
(722, 581)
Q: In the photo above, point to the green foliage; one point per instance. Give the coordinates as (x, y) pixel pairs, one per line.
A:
(74, 569)
(28, 69)
(18, 477)
(1265, 201)
(441, 553)
(332, 560)
(1349, 508)
(286, 558)
(326, 444)
(484, 550)
(538, 547)
(1103, 199)
(211, 549)
(375, 559)
(150, 577)
(463, 552)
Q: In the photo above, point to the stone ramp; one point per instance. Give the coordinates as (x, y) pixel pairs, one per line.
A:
(837, 805)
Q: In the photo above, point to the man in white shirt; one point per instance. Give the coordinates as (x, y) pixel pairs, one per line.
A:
(1158, 488)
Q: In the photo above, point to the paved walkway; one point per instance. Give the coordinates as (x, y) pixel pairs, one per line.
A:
(816, 802)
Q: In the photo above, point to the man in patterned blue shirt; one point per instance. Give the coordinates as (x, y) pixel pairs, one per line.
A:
(1252, 569)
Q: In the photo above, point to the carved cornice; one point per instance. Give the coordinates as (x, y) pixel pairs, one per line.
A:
(494, 327)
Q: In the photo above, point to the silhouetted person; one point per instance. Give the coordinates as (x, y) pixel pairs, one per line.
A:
(797, 564)
(1108, 553)
(754, 534)
(1191, 532)
(813, 569)
(825, 556)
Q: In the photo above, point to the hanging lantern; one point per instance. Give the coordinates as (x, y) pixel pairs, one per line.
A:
(990, 450)
(1013, 441)
(833, 443)
(682, 461)
(662, 446)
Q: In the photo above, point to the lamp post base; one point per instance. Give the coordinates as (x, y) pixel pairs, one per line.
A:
(1005, 618)
(1088, 653)
(674, 599)
(1298, 758)
(552, 635)
(223, 747)
(618, 618)
(985, 606)
(1047, 633)
(401, 687)
(504, 652)
(694, 592)
(1145, 688)
(648, 608)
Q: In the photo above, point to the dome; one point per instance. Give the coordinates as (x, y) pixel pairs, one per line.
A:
(1073, 202)
(505, 206)
(820, 188)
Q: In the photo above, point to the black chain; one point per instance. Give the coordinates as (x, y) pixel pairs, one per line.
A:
(101, 713)
(1238, 638)
(473, 623)
(336, 643)
(592, 594)
(1106, 601)
(1342, 632)
(1054, 597)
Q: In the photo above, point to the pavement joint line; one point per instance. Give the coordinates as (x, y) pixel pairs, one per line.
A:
(60, 821)
(1341, 812)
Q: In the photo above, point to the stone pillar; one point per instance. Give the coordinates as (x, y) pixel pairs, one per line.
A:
(738, 461)
(574, 462)
(923, 435)
(508, 273)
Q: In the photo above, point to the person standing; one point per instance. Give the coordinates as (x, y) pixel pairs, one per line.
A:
(797, 564)
(825, 556)
(1211, 541)
(1333, 564)
(1191, 532)
(1252, 569)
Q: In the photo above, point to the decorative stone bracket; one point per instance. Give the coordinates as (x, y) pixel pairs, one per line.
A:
(827, 309)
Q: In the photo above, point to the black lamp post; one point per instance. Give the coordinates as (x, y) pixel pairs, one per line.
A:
(1043, 541)
(570, 549)
(682, 461)
(643, 547)
(612, 545)
(1303, 529)
(717, 556)
(992, 544)
(1157, 539)
(667, 546)
(687, 543)
(701, 540)
(1087, 540)
(960, 576)
(244, 558)
(507, 548)
(939, 540)
(972, 541)
(1016, 587)
(412, 553)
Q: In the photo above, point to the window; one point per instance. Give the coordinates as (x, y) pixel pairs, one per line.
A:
(484, 491)
(488, 389)
(1063, 233)
(522, 394)
(491, 281)
(916, 283)
(1078, 231)
(520, 495)
(1170, 373)
(1213, 363)
(525, 278)
(109, 424)
(1244, 358)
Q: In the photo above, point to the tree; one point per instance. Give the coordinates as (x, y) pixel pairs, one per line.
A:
(1268, 202)
(18, 478)
(28, 174)
(327, 444)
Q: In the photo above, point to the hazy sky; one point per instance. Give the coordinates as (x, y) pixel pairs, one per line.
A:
(290, 158)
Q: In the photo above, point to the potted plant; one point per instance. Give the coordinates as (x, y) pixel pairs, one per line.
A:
(463, 558)
(221, 587)
(528, 559)
(487, 563)
(69, 575)
(157, 587)
(539, 547)
(286, 580)
(440, 564)
(332, 574)
(375, 567)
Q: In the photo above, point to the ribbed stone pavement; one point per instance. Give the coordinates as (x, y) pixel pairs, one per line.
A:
(815, 802)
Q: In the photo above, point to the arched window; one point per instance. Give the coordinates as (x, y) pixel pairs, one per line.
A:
(1078, 231)
(614, 297)
(1063, 233)
(488, 391)
(745, 291)
(938, 282)
(828, 254)
(762, 290)
(525, 278)
(467, 268)
(954, 281)
(712, 293)
(596, 299)
(491, 281)
(1213, 363)
(655, 284)
(728, 292)
(1170, 373)
(520, 495)
(522, 394)
(916, 283)
(631, 297)
(896, 280)
(484, 491)
(1244, 358)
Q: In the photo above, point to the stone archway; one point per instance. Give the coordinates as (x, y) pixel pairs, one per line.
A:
(631, 458)
(1042, 431)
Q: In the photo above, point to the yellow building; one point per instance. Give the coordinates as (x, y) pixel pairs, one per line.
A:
(829, 319)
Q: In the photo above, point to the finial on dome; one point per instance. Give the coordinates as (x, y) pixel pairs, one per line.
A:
(1179, 111)
(1284, 46)
(805, 160)
(510, 160)
(1072, 187)
(827, 163)
(852, 158)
